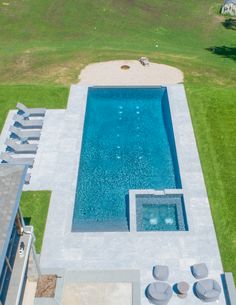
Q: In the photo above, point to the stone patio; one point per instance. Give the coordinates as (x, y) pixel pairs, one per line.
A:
(56, 169)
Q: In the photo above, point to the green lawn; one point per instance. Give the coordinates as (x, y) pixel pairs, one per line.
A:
(45, 44)
(34, 207)
(34, 95)
(214, 113)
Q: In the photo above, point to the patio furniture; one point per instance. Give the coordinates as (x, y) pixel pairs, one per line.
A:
(160, 272)
(21, 148)
(159, 293)
(208, 290)
(30, 111)
(26, 123)
(144, 61)
(9, 159)
(199, 271)
(182, 288)
(25, 134)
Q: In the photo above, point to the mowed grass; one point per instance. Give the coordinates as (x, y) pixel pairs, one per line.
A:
(32, 95)
(213, 111)
(46, 43)
(34, 207)
(49, 41)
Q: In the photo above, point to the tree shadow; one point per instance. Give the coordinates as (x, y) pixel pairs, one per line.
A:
(227, 52)
(230, 23)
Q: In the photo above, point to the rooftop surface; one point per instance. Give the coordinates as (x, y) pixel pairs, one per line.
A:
(11, 184)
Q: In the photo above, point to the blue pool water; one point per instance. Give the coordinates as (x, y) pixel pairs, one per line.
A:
(160, 213)
(159, 217)
(127, 144)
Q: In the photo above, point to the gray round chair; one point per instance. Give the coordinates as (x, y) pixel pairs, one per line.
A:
(159, 293)
(208, 290)
(199, 271)
(160, 272)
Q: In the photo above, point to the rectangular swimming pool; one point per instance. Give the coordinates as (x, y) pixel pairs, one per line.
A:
(128, 143)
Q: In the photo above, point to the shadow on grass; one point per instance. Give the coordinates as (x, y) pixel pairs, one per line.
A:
(230, 23)
(227, 52)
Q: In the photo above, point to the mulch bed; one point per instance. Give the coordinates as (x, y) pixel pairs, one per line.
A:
(46, 286)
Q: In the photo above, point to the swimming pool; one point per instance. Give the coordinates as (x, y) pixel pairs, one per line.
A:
(128, 143)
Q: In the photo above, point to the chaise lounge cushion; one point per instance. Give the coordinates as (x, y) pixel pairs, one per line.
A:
(160, 272)
(159, 293)
(208, 290)
(199, 271)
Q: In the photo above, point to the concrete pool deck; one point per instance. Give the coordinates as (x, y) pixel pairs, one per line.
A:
(56, 168)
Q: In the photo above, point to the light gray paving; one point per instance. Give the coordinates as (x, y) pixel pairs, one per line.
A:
(56, 169)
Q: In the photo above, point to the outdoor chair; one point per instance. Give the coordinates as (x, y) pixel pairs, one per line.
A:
(30, 111)
(159, 293)
(6, 157)
(25, 134)
(208, 290)
(160, 272)
(199, 271)
(19, 148)
(144, 61)
(26, 123)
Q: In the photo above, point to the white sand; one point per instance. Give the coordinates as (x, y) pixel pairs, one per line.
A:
(110, 74)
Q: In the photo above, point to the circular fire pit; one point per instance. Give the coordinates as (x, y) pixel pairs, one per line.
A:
(125, 67)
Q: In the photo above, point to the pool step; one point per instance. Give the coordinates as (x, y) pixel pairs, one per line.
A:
(105, 226)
